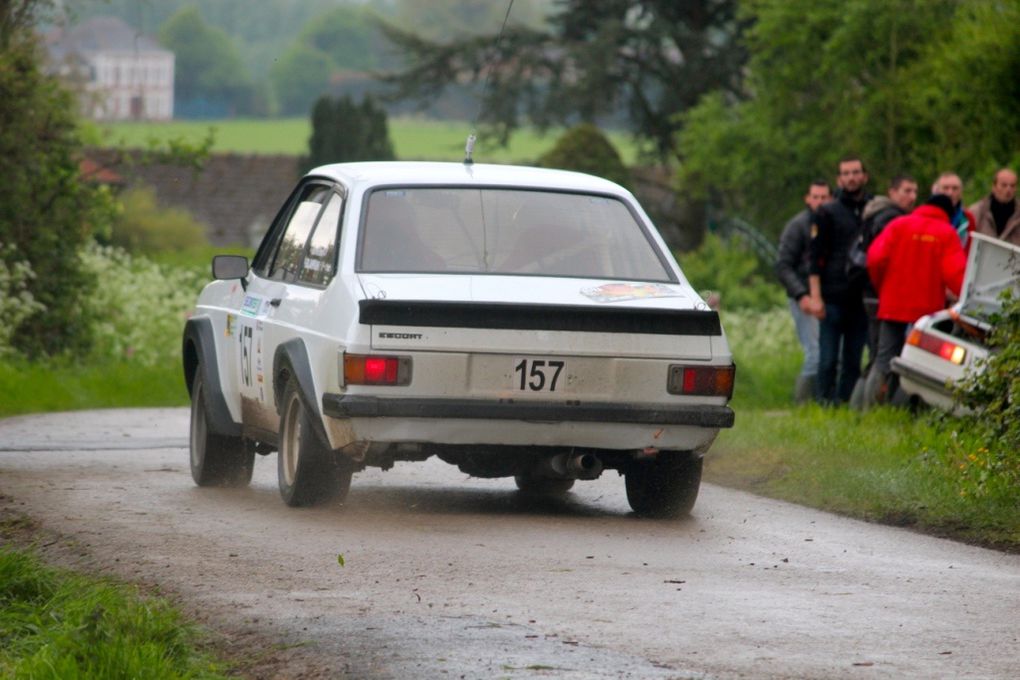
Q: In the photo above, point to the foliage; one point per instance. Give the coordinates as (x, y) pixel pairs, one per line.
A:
(439, 19)
(348, 35)
(731, 269)
(585, 148)
(46, 210)
(209, 76)
(343, 131)
(59, 625)
(16, 301)
(141, 308)
(767, 355)
(892, 81)
(648, 59)
(991, 392)
(299, 77)
(145, 227)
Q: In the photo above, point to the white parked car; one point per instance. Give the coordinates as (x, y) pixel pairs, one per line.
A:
(515, 322)
(943, 347)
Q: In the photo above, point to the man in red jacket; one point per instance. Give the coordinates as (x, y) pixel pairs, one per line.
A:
(912, 263)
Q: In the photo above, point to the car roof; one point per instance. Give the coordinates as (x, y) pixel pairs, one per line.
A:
(366, 175)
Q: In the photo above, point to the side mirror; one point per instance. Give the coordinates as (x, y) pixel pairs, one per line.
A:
(229, 267)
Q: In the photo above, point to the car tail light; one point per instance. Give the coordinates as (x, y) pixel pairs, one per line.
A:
(368, 369)
(704, 381)
(949, 351)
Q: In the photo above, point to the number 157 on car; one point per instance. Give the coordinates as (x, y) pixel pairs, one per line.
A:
(538, 375)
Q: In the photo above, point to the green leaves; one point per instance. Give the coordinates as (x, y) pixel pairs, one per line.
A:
(913, 86)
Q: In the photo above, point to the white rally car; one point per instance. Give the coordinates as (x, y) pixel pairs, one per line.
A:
(515, 322)
(943, 347)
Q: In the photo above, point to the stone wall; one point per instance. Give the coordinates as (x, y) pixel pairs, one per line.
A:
(236, 196)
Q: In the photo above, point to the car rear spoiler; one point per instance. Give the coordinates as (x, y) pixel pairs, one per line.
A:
(513, 316)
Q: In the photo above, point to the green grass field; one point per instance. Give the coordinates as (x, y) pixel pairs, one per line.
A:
(413, 138)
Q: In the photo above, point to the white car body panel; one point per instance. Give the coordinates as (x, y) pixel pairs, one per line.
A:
(992, 266)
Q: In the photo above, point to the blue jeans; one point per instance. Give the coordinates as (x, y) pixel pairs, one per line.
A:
(807, 334)
(842, 335)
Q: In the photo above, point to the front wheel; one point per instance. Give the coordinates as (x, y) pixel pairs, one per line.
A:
(308, 472)
(216, 460)
(666, 486)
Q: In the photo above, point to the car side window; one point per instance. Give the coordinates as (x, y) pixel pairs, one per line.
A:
(291, 248)
(320, 255)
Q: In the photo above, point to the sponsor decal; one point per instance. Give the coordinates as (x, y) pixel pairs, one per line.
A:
(251, 305)
(621, 292)
(401, 336)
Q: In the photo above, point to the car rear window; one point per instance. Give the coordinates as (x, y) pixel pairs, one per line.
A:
(506, 231)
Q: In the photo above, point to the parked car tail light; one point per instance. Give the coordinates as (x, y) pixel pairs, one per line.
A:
(949, 351)
(704, 381)
(367, 369)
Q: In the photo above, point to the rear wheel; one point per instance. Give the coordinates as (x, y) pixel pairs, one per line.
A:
(308, 472)
(216, 460)
(666, 486)
(543, 486)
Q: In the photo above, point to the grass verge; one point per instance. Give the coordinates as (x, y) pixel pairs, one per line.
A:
(33, 387)
(57, 624)
(886, 465)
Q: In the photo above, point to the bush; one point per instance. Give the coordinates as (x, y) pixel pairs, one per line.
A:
(989, 453)
(144, 227)
(16, 301)
(141, 308)
(585, 149)
(730, 268)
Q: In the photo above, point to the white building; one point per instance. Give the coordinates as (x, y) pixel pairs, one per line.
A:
(121, 74)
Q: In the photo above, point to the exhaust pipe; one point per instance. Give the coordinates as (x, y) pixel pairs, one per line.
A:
(572, 466)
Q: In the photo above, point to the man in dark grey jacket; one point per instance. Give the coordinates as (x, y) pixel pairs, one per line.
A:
(836, 299)
(792, 270)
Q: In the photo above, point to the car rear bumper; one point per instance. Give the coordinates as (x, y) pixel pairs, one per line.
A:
(357, 406)
(932, 389)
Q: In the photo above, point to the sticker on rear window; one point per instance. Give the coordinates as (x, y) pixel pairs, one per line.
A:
(620, 292)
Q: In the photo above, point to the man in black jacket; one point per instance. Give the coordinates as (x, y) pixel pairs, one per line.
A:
(836, 300)
(792, 270)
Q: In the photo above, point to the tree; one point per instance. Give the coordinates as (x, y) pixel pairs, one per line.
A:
(348, 35)
(343, 131)
(301, 75)
(209, 77)
(46, 211)
(915, 86)
(650, 59)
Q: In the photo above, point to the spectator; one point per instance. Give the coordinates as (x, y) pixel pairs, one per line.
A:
(899, 200)
(835, 299)
(911, 263)
(792, 270)
(950, 184)
(998, 214)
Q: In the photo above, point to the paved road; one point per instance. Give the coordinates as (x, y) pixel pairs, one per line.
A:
(448, 576)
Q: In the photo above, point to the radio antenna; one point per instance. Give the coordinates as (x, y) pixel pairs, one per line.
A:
(469, 148)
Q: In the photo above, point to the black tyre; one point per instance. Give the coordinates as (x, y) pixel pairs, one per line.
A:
(543, 486)
(666, 486)
(216, 460)
(308, 472)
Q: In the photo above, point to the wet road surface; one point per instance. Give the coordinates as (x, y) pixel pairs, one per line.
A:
(450, 576)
